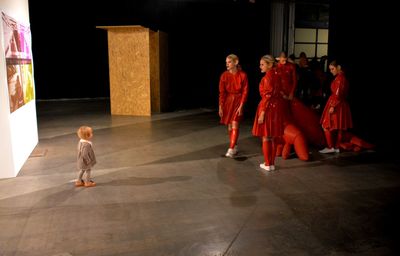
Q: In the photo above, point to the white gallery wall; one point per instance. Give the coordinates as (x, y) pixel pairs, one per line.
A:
(18, 128)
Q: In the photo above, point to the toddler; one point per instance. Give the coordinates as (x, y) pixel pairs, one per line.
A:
(86, 158)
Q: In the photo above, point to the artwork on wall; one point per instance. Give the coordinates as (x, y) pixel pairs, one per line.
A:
(17, 46)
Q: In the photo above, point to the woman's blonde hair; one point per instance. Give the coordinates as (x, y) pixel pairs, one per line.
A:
(233, 57)
(84, 132)
(268, 58)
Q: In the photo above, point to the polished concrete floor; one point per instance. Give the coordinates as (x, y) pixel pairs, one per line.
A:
(165, 189)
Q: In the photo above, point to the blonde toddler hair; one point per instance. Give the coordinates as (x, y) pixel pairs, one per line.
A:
(84, 132)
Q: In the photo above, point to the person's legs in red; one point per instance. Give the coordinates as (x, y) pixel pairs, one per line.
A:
(339, 139)
(329, 143)
(274, 144)
(269, 154)
(234, 135)
(233, 138)
(329, 139)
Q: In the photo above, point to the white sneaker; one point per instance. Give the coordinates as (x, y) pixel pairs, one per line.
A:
(230, 153)
(327, 150)
(267, 167)
(235, 150)
(337, 150)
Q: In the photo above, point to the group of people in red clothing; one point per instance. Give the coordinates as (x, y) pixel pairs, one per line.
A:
(275, 120)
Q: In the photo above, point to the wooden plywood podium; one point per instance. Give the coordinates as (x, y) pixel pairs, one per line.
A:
(138, 71)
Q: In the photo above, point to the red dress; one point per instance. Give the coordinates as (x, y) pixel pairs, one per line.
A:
(341, 116)
(288, 75)
(233, 90)
(272, 104)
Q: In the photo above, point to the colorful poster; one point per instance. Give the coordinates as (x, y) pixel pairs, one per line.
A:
(17, 45)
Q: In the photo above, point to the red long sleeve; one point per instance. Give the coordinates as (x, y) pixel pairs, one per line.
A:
(266, 89)
(339, 89)
(233, 83)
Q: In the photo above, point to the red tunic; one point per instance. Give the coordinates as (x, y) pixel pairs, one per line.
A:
(288, 75)
(272, 104)
(233, 90)
(341, 116)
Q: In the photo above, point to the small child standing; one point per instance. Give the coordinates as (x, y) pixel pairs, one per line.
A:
(86, 158)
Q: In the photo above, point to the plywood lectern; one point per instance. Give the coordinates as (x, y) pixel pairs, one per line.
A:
(138, 63)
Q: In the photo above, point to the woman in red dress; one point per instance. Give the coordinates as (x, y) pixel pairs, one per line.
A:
(336, 116)
(269, 120)
(233, 91)
(288, 74)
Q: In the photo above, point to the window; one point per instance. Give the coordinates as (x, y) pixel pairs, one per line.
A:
(312, 41)
(311, 29)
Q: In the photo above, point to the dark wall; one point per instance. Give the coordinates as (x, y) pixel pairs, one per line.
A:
(204, 35)
(70, 55)
(361, 37)
(71, 61)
